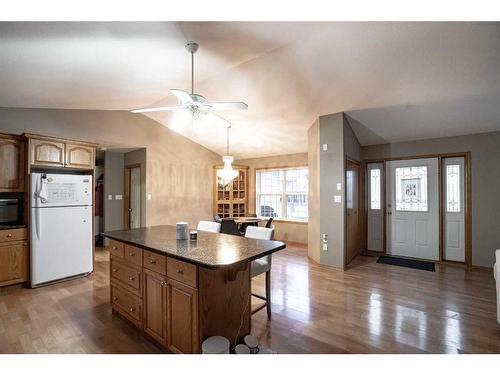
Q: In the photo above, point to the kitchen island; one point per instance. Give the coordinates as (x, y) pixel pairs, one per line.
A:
(179, 292)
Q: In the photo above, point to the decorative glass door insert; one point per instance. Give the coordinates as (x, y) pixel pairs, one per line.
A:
(411, 189)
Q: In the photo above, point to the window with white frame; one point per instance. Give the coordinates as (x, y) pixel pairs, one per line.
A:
(282, 193)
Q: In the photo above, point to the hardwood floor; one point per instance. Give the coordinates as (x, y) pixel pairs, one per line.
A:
(370, 308)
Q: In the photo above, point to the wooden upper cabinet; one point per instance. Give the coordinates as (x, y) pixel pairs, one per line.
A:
(47, 152)
(79, 156)
(58, 152)
(12, 162)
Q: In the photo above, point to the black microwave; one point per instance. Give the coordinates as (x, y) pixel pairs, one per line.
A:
(11, 209)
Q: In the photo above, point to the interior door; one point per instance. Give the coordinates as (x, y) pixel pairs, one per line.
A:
(352, 210)
(413, 208)
(132, 197)
(375, 208)
(454, 208)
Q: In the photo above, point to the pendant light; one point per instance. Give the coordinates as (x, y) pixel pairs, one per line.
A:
(227, 173)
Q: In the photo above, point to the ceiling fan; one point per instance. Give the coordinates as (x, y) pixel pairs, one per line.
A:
(196, 104)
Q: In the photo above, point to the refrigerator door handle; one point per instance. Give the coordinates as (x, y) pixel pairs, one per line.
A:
(37, 224)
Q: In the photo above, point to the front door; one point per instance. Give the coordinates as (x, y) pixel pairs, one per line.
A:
(413, 208)
(352, 210)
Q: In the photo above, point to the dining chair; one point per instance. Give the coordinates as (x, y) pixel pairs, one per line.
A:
(209, 226)
(269, 223)
(262, 265)
(229, 226)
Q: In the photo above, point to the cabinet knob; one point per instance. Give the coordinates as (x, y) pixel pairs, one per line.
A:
(162, 283)
(9, 235)
(152, 261)
(115, 270)
(132, 254)
(115, 298)
(115, 248)
(180, 272)
(132, 309)
(131, 278)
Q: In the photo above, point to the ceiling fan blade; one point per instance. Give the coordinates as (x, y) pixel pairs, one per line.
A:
(182, 95)
(227, 106)
(155, 109)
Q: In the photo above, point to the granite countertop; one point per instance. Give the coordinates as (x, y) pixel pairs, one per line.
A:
(210, 250)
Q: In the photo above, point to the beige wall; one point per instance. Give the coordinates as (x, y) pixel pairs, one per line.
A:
(485, 175)
(179, 171)
(284, 230)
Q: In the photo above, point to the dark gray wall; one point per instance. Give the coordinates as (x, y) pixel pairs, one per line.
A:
(485, 175)
(113, 185)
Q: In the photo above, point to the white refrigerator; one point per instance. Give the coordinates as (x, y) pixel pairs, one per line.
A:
(61, 226)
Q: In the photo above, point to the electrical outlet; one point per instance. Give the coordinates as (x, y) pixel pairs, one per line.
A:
(337, 199)
(110, 197)
(339, 187)
(118, 197)
(325, 247)
(325, 146)
(149, 197)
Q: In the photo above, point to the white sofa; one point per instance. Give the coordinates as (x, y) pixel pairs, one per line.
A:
(496, 273)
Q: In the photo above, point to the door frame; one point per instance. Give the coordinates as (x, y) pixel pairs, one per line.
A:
(361, 207)
(467, 203)
(126, 193)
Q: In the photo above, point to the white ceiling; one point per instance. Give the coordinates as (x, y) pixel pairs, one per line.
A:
(396, 81)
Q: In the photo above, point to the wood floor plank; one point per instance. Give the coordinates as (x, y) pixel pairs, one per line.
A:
(370, 308)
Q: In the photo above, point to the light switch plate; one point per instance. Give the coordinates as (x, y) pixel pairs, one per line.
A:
(339, 186)
(337, 199)
(149, 197)
(325, 146)
(325, 247)
(110, 197)
(118, 197)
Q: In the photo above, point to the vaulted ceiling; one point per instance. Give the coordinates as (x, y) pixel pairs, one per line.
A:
(396, 81)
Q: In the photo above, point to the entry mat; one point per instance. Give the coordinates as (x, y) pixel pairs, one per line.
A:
(410, 263)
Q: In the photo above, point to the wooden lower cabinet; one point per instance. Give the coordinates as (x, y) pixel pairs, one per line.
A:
(155, 306)
(182, 317)
(175, 303)
(13, 256)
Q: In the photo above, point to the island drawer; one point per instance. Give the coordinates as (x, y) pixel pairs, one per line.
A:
(127, 304)
(154, 262)
(129, 276)
(18, 234)
(116, 248)
(182, 271)
(133, 254)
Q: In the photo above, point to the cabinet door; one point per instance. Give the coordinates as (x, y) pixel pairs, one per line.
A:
(45, 152)
(155, 306)
(11, 160)
(79, 156)
(13, 262)
(182, 327)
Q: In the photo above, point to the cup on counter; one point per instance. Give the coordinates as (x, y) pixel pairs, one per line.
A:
(182, 230)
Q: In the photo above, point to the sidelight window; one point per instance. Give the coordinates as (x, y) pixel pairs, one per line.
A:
(375, 189)
(453, 188)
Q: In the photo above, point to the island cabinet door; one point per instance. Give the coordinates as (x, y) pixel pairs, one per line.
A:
(155, 306)
(182, 327)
